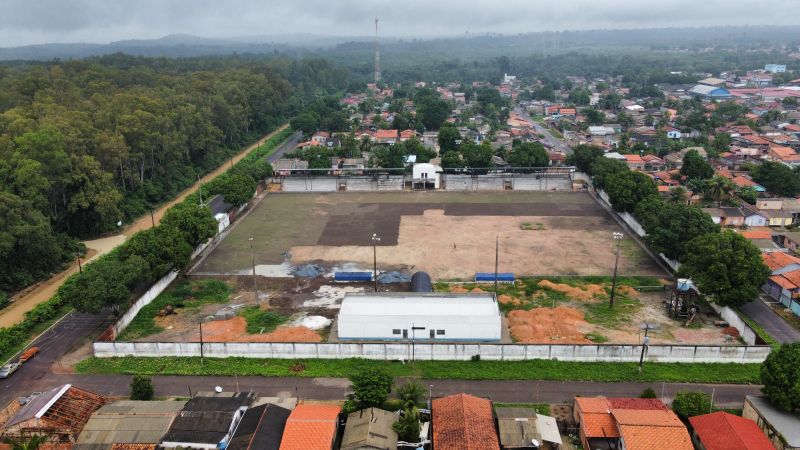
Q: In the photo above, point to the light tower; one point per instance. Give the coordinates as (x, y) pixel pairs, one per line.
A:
(377, 55)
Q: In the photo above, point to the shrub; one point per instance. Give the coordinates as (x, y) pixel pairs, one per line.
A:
(141, 388)
(648, 393)
(411, 393)
(691, 403)
(371, 387)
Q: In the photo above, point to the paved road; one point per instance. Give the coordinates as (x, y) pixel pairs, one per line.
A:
(771, 322)
(549, 138)
(290, 144)
(337, 389)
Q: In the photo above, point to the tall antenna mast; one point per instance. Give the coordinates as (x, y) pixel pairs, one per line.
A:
(377, 55)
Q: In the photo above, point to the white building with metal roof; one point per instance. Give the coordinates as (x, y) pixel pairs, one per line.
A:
(419, 316)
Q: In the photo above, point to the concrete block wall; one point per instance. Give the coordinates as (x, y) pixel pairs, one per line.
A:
(143, 301)
(733, 319)
(439, 351)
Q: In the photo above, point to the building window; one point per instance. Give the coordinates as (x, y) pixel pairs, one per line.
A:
(396, 331)
(440, 332)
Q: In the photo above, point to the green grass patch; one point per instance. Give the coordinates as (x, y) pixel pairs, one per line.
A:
(260, 321)
(540, 369)
(188, 296)
(761, 332)
(602, 314)
(540, 408)
(596, 337)
(527, 226)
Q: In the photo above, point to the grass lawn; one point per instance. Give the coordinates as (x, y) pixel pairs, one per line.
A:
(260, 321)
(187, 295)
(467, 370)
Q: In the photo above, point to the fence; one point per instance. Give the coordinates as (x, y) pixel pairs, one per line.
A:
(143, 301)
(439, 351)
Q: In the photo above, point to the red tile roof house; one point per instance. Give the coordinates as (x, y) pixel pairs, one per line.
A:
(463, 422)
(311, 427)
(629, 423)
(724, 431)
(386, 136)
(634, 162)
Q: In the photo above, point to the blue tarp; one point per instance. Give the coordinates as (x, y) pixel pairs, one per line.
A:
(352, 276)
(502, 277)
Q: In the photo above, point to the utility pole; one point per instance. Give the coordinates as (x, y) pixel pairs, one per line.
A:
(618, 238)
(375, 240)
(496, 261)
(645, 343)
(253, 260)
(201, 341)
(152, 218)
(200, 189)
(78, 257)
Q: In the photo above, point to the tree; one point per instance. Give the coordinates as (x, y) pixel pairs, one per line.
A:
(307, 122)
(237, 188)
(718, 189)
(678, 195)
(696, 167)
(411, 393)
(626, 189)
(408, 425)
(777, 179)
(594, 116)
(479, 156)
(603, 168)
(780, 375)
(669, 226)
(528, 155)
(371, 387)
(194, 221)
(390, 157)
(448, 138)
(748, 194)
(583, 156)
(725, 266)
(691, 403)
(452, 160)
(648, 393)
(141, 388)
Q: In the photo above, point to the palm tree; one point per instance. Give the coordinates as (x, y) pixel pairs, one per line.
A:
(678, 195)
(31, 443)
(719, 188)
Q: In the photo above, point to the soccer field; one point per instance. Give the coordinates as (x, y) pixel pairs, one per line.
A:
(449, 235)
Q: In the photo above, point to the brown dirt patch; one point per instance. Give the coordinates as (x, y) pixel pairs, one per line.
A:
(628, 291)
(235, 330)
(458, 290)
(563, 325)
(586, 294)
(509, 300)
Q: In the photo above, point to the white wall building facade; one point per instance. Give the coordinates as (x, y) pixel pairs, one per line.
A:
(393, 316)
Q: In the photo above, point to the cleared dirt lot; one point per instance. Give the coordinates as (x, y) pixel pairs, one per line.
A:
(449, 235)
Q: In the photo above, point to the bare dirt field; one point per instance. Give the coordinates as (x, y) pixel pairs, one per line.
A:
(449, 235)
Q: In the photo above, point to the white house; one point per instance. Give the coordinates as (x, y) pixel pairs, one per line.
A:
(407, 316)
(426, 173)
(775, 68)
(754, 218)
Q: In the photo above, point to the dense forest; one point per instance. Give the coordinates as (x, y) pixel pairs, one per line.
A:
(87, 144)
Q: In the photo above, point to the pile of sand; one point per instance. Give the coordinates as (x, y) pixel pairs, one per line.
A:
(563, 325)
(458, 289)
(235, 330)
(508, 300)
(628, 291)
(585, 294)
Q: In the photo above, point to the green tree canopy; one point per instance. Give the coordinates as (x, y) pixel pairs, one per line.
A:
(526, 154)
(670, 227)
(780, 375)
(725, 266)
(696, 167)
(603, 168)
(371, 387)
(194, 221)
(691, 403)
(626, 189)
(141, 388)
(583, 156)
(777, 179)
(448, 138)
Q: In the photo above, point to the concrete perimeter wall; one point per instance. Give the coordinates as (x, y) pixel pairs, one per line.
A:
(733, 319)
(143, 301)
(462, 352)
(531, 182)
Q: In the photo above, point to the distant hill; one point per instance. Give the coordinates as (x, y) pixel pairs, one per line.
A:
(463, 46)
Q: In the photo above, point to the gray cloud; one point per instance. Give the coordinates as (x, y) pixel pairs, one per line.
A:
(38, 21)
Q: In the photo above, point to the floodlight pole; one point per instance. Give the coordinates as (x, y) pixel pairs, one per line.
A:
(645, 343)
(201, 341)
(375, 240)
(496, 261)
(618, 238)
(253, 260)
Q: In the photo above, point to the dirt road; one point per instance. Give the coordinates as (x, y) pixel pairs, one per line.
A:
(40, 292)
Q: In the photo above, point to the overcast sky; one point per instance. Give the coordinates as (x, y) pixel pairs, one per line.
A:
(41, 21)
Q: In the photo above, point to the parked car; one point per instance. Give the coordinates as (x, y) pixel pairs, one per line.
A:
(28, 354)
(8, 369)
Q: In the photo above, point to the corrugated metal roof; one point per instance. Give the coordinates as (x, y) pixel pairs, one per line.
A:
(419, 304)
